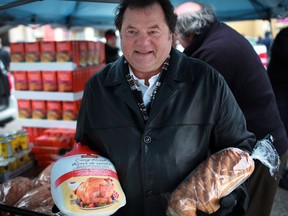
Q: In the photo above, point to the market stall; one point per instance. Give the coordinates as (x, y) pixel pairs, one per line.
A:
(49, 82)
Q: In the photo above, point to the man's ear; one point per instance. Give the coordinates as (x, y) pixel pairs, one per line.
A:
(189, 38)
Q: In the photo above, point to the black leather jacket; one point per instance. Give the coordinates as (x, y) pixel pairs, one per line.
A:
(194, 114)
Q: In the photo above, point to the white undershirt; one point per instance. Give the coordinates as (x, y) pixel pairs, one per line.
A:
(146, 90)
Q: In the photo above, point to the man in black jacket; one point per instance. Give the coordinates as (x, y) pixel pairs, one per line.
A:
(277, 71)
(111, 49)
(156, 113)
(209, 40)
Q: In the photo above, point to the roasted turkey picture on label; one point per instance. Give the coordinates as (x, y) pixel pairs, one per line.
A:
(95, 193)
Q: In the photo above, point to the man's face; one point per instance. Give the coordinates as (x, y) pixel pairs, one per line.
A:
(145, 38)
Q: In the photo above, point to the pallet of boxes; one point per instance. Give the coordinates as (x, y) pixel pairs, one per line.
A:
(49, 81)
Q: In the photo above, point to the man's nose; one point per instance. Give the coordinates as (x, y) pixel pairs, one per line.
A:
(143, 39)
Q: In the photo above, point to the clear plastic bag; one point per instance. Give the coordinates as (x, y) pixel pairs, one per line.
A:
(44, 210)
(218, 176)
(265, 152)
(12, 190)
(44, 176)
(38, 197)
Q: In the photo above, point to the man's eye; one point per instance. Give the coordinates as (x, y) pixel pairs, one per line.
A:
(154, 33)
(131, 32)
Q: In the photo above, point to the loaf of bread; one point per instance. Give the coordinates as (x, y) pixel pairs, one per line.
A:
(44, 177)
(38, 197)
(213, 179)
(12, 190)
(47, 210)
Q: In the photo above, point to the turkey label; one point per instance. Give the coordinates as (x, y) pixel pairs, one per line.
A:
(86, 184)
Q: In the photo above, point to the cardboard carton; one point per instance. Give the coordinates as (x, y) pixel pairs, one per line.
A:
(50, 82)
(17, 52)
(32, 52)
(48, 51)
(20, 80)
(39, 109)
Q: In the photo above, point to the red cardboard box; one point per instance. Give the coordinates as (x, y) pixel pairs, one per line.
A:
(17, 52)
(34, 80)
(45, 149)
(91, 53)
(100, 52)
(48, 51)
(50, 82)
(83, 46)
(64, 51)
(54, 110)
(70, 110)
(20, 80)
(67, 51)
(24, 108)
(39, 109)
(65, 81)
(32, 52)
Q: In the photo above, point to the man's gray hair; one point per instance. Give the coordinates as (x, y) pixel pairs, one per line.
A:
(193, 23)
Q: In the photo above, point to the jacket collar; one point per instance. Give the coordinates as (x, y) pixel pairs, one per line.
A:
(116, 75)
(117, 70)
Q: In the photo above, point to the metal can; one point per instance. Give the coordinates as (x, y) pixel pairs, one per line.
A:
(3, 137)
(14, 141)
(4, 166)
(23, 139)
(6, 148)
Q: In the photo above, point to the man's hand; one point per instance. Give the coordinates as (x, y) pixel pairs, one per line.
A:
(235, 203)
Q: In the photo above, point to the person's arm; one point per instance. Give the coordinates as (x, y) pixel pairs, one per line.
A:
(83, 123)
(230, 129)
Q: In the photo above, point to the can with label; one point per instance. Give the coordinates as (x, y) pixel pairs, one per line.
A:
(22, 139)
(4, 166)
(3, 137)
(6, 148)
(14, 142)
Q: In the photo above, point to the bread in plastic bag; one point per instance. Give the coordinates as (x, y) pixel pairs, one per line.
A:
(12, 190)
(44, 176)
(85, 183)
(44, 210)
(38, 197)
(218, 176)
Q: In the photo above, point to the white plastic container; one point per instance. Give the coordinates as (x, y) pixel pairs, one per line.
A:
(85, 183)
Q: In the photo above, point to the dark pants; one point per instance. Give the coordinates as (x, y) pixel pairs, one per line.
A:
(282, 103)
(262, 189)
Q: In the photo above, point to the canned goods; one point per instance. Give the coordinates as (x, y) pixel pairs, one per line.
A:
(23, 139)
(12, 163)
(6, 148)
(4, 166)
(3, 137)
(14, 142)
(21, 131)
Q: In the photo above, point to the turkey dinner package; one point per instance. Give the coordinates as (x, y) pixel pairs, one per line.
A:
(85, 183)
